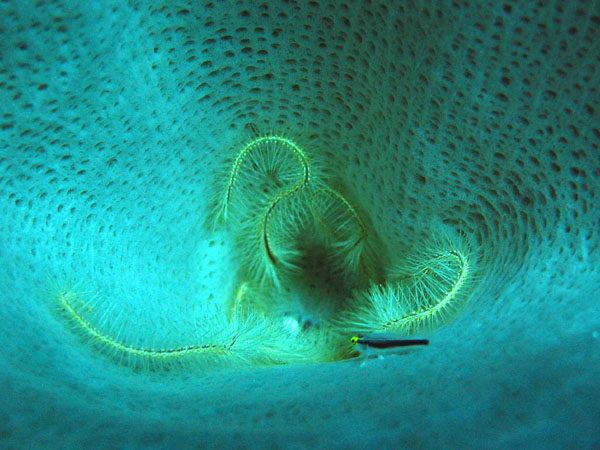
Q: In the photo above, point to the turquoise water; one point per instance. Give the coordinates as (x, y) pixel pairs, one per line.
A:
(118, 126)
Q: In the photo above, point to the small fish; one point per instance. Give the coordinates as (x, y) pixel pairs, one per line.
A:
(379, 344)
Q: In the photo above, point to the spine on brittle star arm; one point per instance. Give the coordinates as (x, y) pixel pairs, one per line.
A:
(355, 246)
(270, 255)
(432, 300)
(271, 210)
(337, 225)
(257, 145)
(247, 340)
(72, 306)
(429, 288)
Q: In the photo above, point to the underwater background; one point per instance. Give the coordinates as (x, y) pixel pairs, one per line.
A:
(119, 123)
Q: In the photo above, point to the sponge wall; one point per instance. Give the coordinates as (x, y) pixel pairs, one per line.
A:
(116, 122)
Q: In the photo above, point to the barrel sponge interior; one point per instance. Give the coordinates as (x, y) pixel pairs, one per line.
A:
(117, 123)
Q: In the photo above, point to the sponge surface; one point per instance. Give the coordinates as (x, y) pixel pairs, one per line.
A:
(479, 117)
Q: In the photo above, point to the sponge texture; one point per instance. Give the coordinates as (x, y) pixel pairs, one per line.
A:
(110, 178)
(120, 120)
